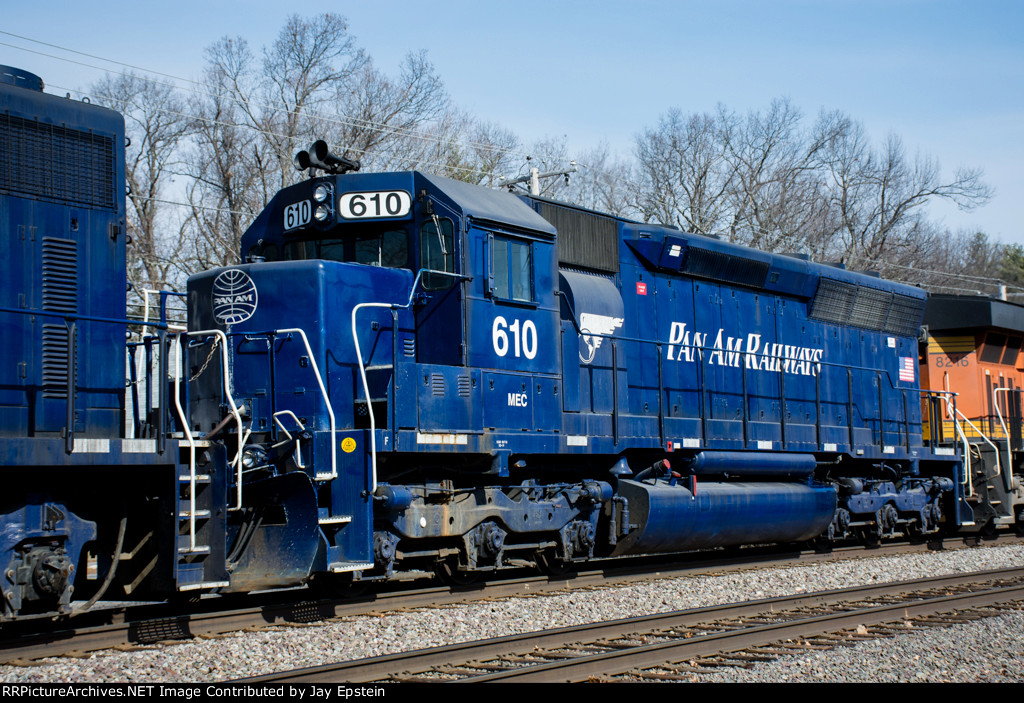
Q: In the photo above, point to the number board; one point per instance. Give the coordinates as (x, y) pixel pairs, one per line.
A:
(297, 214)
(364, 206)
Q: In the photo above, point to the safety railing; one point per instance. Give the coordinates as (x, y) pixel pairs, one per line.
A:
(394, 360)
(881, 427)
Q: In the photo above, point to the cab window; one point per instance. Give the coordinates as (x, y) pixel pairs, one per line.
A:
(374, 247)
(437, 253)
(512, 271)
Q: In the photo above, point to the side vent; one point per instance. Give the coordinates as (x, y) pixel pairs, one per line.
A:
(409, 347)
(869, 308)
(55, 361)
(464, 386)
(437, 384)
(718, 266)
(60, 294)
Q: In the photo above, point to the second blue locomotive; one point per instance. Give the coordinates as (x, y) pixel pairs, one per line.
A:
(415, 372)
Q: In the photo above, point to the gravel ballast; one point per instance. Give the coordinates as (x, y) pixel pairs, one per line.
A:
(988, 650)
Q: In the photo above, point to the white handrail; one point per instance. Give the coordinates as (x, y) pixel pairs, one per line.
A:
(191, 446)
(298, 449)
(362, 365)
(1008, 481)
(366, 391)
(968, 481)
(999, 465)
(327, 401)
(226, 375)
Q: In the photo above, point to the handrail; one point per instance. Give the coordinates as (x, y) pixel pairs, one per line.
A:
(362, 365)
(327, 401)
(705, 348)
(191, 446)
(953, 412)
(226, 375)
(1006, 433)
(704, 352)
(298, 450)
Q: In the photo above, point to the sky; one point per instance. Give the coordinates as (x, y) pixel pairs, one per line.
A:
(947, 77)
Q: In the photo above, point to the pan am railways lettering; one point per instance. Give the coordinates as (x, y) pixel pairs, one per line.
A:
(729, 351)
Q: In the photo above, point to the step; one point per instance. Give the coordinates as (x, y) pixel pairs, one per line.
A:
(203, 584)
(335, 520)
(340, 567)
(200, 478)
(324, 477)
(199, 515)
(200, 549)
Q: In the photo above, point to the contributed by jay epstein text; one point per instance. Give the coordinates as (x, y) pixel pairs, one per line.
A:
(191, 691)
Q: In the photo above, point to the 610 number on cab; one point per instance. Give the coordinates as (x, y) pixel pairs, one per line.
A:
(364, 206)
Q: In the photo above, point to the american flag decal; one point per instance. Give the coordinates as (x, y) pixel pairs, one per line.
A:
(907, 368)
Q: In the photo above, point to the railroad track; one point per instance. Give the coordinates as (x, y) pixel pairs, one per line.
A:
(146, 625)
(678, 645)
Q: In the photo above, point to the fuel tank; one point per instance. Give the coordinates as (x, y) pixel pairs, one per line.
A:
(698, 515)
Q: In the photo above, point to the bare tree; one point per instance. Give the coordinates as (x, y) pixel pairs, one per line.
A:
(384, 120)
(230, 161)
(311, 63)
(775, 203)
(682, 175)
(156, 124)
(878, 197)
(602, 183)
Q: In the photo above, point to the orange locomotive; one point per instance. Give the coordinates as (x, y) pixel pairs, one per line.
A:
(971, 347)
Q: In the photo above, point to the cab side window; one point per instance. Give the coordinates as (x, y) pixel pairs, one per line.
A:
(437, 253)
(511, 270)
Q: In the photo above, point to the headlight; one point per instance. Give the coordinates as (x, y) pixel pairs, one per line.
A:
(320, 213)
(253, 456)
(320, 193)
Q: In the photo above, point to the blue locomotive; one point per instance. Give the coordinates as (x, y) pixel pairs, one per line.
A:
(437, 375)
(91, 498)
(411, 373)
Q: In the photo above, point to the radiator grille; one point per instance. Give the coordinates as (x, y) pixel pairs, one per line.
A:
(52, 161)
(905, 315)
(585, 239)
(870, 308)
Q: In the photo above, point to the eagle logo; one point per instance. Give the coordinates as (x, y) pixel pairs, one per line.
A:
(594, 328)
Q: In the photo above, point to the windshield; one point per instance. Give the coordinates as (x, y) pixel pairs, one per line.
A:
(379, 247)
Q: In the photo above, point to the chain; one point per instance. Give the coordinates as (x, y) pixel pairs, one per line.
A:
(213, 349)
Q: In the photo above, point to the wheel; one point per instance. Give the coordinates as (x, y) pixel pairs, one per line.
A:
(552, 565)
(448, 572)
(341, 585)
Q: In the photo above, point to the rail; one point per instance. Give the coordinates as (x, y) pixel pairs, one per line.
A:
(394, 360)
(71, 380)
(1008, 480)
(704, 353)
(191, 448)
(327, 401)
(226, 377)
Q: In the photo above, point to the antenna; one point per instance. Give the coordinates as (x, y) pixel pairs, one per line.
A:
(535, 175)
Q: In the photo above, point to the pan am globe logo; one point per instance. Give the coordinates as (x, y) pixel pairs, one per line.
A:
(234, 297)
